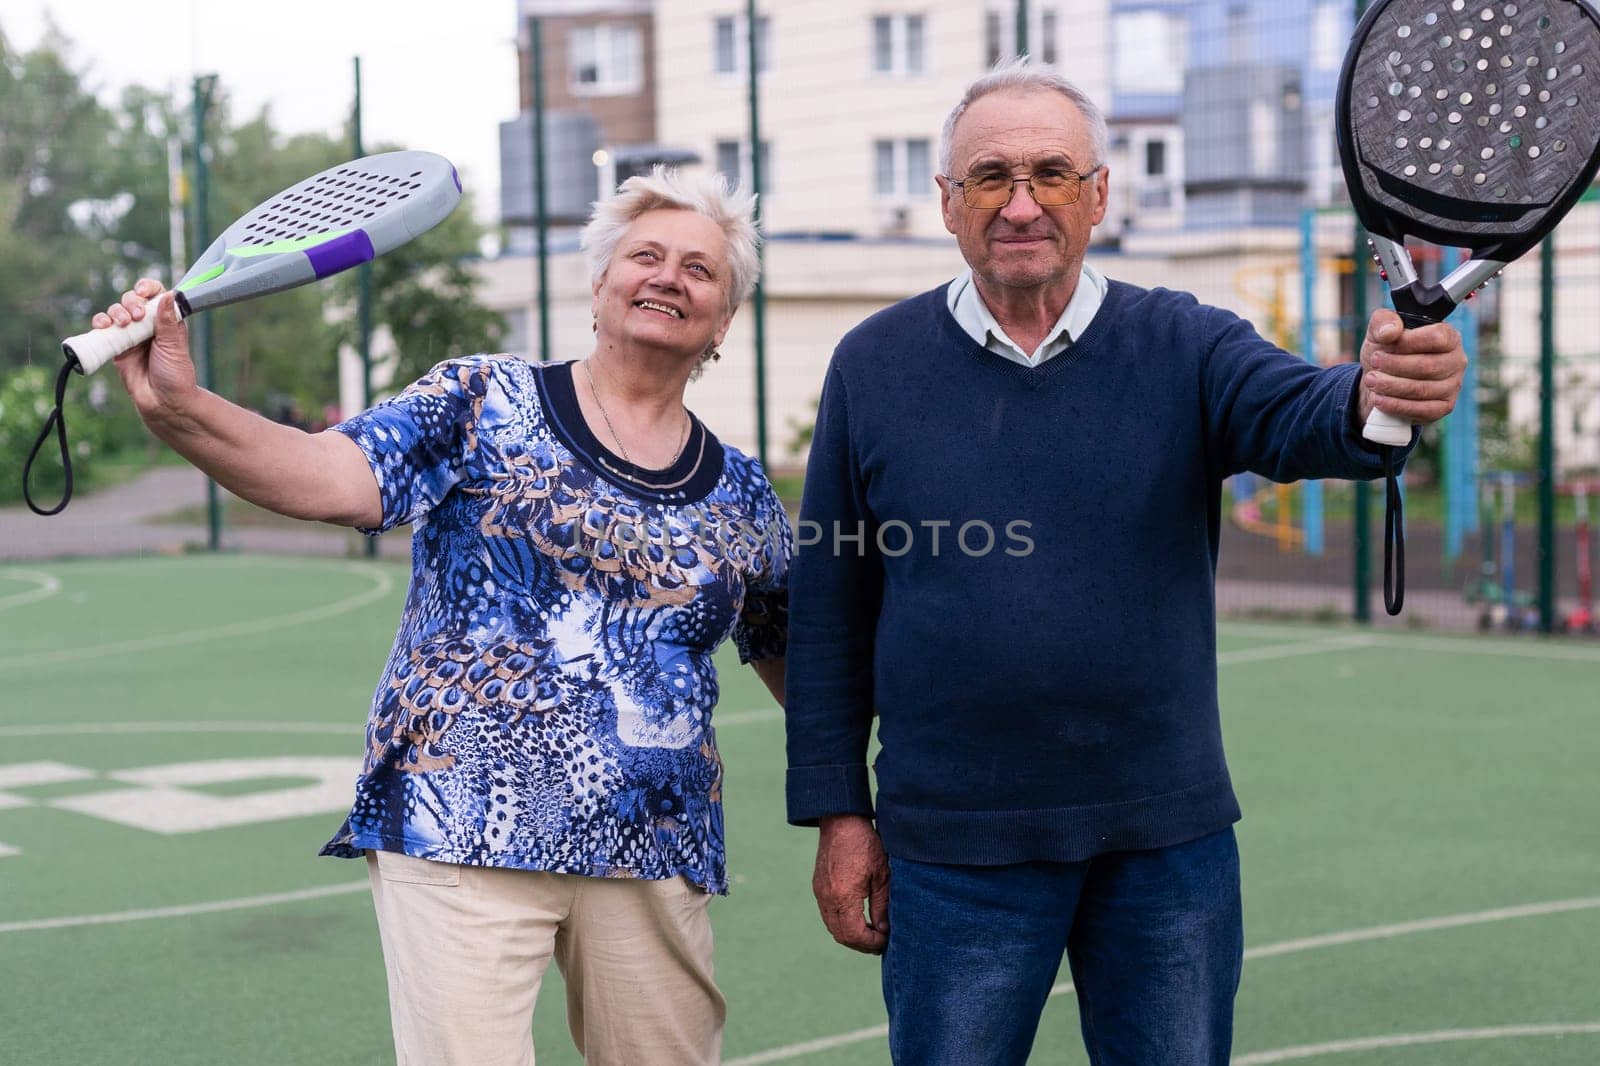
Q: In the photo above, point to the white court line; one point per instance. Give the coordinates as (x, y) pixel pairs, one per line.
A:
(185, 911)
(382, 584)
(1425, 925)
(1287, 651)
(292, 728)
(48, 586)
(1468, 646)
(1441, 1036)
(1534, 647)
(763, 714)
(96, 728)
(1265, 951)
(827, 1043)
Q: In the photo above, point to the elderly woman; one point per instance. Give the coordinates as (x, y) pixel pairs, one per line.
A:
(541, 776)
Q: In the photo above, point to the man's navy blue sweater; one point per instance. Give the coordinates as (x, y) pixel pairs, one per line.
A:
(1013, 568)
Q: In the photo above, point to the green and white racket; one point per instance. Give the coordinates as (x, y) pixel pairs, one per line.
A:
(331, 221)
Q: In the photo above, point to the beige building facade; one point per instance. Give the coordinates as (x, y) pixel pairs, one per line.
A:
(599, 59)
(852, 97)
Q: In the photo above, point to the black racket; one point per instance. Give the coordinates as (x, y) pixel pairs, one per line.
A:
(1468, 124)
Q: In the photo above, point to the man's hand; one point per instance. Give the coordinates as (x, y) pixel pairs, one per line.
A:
(1412, 374)
(852, 868)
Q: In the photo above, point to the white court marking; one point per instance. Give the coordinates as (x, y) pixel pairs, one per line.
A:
(185, 911)
(1299, 647)
(1265, 951)
(1288, 651)
(47, 586)
(383, 583)
(1321, 645)
(1441, 1036)
(763, 714)
(745, 717)
(98, 728)
(1532, 647)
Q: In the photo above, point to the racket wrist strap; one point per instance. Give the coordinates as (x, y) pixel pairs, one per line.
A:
(1394, 536)
(58, 421)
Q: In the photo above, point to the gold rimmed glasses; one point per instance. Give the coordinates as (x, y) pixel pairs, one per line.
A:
(1049, 186)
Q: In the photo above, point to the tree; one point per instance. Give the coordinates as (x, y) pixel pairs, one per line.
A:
(427, 297)
(84, 210)
(70, 175)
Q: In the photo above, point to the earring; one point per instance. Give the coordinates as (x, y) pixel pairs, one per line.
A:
(594, 324)
(713, 354)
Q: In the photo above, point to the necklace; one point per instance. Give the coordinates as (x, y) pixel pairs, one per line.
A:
(594, 392)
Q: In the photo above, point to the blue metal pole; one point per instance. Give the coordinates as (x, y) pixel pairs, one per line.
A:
(1456, 473)
(1310, 491)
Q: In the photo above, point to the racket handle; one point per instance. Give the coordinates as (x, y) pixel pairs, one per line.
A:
(1384, 428)
(96, 348)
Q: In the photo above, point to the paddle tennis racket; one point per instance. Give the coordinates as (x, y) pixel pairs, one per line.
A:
(1471, 125)
(329, 222)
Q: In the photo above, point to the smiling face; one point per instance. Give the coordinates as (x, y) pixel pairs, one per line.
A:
(667, 285)
(1023, 245)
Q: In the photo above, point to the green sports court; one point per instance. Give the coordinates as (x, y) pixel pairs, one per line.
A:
(1421, 852)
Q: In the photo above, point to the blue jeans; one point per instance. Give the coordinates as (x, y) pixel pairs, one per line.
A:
(1155, 940)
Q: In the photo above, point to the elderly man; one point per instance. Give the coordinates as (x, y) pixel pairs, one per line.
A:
(1010, 530)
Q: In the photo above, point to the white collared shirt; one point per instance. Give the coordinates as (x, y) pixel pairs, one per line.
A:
(975, 319)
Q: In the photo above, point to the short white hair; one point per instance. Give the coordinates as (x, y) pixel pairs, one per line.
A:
(672, 189)
(1020, 75)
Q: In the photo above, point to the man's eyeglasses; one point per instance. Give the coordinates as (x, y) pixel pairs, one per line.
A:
(1051, 187)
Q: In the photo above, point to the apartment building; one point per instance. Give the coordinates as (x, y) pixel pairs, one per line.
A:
(599, 96)
(1221, 135)
(852, 97)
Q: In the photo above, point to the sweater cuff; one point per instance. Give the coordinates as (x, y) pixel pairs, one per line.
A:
(817, 791)
(1362, 448)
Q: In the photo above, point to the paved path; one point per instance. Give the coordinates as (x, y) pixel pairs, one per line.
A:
(117, 521)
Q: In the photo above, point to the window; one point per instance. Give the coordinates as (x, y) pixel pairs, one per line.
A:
(729, 160)
(902, 169)
(1000, 32)
(605, 58)
(1155, 159)
(997, 38)
(916, 44)
(730, 44)
(919, 167)
(733, 160)
(899, 44)
(883, 182)
(1047, 36)
(883, 44)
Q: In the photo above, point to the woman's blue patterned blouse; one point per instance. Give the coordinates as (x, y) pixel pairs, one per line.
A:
(547, 703)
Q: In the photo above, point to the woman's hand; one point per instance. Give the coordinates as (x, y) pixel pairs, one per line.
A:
(158, 374)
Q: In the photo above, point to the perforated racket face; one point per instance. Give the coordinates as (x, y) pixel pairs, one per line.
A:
(329, 222)
(1471, 122)
(344, 197)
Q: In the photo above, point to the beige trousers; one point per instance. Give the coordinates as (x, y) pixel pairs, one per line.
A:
(466, 948)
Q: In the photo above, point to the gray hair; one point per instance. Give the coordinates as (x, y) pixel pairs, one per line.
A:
(670, 188)
(1019, 75)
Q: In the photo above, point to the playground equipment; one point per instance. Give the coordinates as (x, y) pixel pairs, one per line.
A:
(1503, 605)
(1581, 619)
(1251, 495)
(1250, 502)
(1484, 588)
